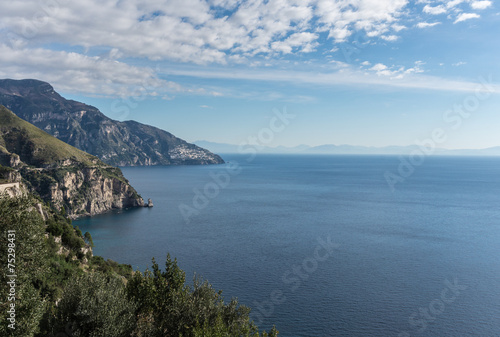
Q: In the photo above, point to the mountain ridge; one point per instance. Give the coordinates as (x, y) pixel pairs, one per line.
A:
(346, 149)
(127, 143)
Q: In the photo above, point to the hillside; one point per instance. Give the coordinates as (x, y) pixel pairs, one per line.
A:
(117, 143)
(59, 173)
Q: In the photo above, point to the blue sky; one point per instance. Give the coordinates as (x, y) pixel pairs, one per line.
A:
(357, 72)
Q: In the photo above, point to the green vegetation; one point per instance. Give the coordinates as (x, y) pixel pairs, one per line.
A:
(94, 305)
(166, 307)
(88, 239)
(97, 297)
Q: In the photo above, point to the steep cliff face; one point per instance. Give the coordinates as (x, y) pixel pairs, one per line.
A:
(83, 126)
(82, 190)
(59, 173)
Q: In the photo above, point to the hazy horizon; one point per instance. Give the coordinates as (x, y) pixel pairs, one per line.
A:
(350, 145)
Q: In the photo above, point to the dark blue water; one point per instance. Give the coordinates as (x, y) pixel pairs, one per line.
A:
(422, 260)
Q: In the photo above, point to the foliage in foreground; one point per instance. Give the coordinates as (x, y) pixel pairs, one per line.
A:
(28, 259)
(167, 307)
(96, 297)
(94, 305)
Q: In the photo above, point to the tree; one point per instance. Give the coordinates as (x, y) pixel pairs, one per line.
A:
(88, 239)
(94, 305)
(167, 307)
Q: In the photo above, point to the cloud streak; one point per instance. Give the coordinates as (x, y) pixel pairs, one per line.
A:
(427, 24)
(376, 77)
(74, 72)
(466, 16)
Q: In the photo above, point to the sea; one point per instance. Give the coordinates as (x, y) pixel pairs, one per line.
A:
(324, 245)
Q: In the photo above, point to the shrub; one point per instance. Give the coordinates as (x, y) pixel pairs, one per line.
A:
(94, 305)
(167, 307)
(54, 228)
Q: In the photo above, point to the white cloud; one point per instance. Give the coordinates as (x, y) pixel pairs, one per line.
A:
(458, 64)
(390, 38)
(379, 67)
(427, 24)
(398, 27)
(304, 41)
(434, 10)
(196, 31)
(396, 72)
(381, 70)
(481, 4)
(466, 16)
(192, 30)
(453, 8)
(454, 3)
(77, 73)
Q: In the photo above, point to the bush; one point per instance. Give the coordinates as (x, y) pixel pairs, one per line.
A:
(71, 239)
(167, 307)
(88, 239)
(94, 305)
(54, 228)
(78, 231)
(110, 267)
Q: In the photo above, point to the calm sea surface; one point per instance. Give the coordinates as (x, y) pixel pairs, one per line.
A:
(321, 246)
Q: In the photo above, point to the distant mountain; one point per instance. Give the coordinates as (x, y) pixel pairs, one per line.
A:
(117, 143)
(217, 147)
(352, 149)
(398, 150)
(58, 172)
(231, 148)
(345, 149)
(491, 151)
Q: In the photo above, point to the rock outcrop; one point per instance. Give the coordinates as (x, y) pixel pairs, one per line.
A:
(87, 190)
(127, 143)
(12, 189)
(90, 191)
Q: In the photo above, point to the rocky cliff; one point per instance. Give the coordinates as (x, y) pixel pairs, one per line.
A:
(82, 190)
(59, 173)
(117, 143)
